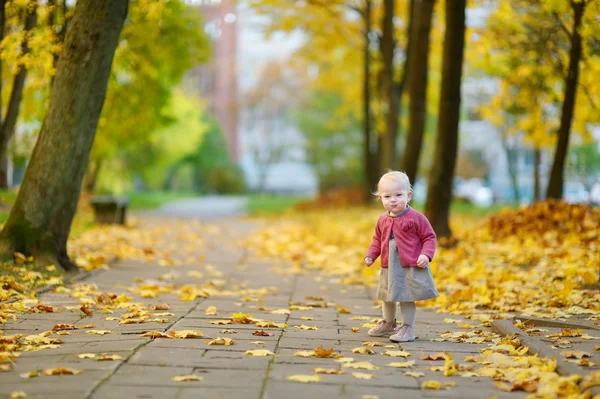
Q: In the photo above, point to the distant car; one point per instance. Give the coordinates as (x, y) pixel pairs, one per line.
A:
(475, 191)
(575, 192)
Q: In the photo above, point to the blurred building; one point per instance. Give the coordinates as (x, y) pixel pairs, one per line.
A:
(241, 52)
(216, 81)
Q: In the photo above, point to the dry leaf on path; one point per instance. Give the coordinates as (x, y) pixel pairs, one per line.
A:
(106, 357)
(363, 376)
(320, 370)
(211, 311)
(431, 384)
(30, 374)
(360, 365)
(186, 378)
(437, 356)
(303, 327)
(58, 327)
(397, 353)
(304, 378)
(221, 341)
(155, 334)
(363, 351)
(259, 352)
(183, 334)
(98, 332)
(221, 322)
(575, 354)
(402, 365)
(61, 371)
(262, 333)
(326, 353)
(416, 374)
(86, 356)
(372, 343)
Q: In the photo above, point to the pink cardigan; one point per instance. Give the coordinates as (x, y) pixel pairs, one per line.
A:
(413, 235)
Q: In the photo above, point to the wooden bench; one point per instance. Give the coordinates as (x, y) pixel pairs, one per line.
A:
(109, 209)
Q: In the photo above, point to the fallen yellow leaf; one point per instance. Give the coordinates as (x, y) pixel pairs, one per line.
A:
(221, 341)
(61, 371)
(397, 353)
(319, 370)
(304, 378)
(363, 376)
(360, 365)
(259, 352)
(185, 378)
(18, 395)
(416, 374)
(211, 311)
(183, 334)
(402, 365)
(363, 351)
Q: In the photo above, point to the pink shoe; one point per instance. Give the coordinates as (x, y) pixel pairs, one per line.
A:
(382, 329)
(404, 333)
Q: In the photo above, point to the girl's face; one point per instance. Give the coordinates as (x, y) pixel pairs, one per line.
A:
(394, 196)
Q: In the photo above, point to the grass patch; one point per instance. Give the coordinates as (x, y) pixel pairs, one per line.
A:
(271, 204)
(154, 199)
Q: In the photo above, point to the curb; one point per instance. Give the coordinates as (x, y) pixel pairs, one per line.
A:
(538, 347)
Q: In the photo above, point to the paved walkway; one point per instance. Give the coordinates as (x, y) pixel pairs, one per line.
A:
(148, 366)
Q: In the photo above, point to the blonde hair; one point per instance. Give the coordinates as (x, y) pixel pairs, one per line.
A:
(395, 176)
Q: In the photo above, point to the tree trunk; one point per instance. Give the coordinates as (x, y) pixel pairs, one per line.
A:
(537, 194)
(40, 220)
(370, 143)
(8, 125)
(387, 151)
(2, 27)
(439, 192)
(417, 86)
(89, 185)
(511, 158)
(555, 185)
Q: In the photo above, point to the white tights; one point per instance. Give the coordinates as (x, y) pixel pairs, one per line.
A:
(408, 310)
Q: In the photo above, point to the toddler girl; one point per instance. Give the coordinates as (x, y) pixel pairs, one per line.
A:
(406, 243)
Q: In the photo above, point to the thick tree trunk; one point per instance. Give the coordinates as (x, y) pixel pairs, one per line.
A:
(555, 185)
(439, 192)
(417, 86)
(387, 151)
(40, 221)
(537, 193)
(8, 125)
(370, 142)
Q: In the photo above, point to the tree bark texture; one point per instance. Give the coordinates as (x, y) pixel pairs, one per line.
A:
(555, 185)
(12, 112)
(40, 221)
(370, 142)
(387, 151)
(439, 192)
(417, 86)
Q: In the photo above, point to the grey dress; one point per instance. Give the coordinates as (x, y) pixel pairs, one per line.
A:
(404, 284)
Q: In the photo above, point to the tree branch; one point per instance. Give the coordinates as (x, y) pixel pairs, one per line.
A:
(563, 27)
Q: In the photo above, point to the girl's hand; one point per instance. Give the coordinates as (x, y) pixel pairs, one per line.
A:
(423, 261)
(368, 261)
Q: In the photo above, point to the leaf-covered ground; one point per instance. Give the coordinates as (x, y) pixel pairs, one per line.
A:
(539, 261)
